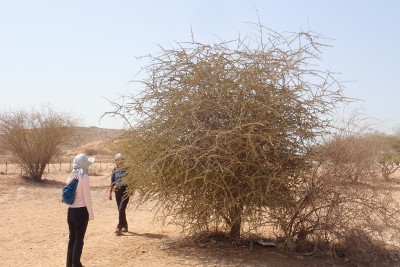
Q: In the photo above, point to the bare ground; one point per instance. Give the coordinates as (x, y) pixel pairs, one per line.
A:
(34, 232)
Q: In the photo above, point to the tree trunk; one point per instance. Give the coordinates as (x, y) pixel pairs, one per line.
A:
(36, 172)
(235, 215)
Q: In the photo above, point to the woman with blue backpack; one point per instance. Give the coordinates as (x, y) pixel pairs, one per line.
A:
(80, 211)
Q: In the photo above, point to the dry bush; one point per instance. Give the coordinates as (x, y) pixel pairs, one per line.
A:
(389, 163)
(389, 156)
(336, 206)
(35, 138)
(357, 156)
(360, 247)
(352, 157)
(222, 131)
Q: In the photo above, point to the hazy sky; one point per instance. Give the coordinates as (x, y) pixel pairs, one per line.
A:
(78, 54)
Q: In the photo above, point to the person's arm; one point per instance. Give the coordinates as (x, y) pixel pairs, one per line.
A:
(112, 180)
(86, 195)
(111, 190)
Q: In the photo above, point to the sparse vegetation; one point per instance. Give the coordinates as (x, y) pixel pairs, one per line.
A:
(340, 206)
(223, 131)
(34, 138)
(227, 137)
(389, 155)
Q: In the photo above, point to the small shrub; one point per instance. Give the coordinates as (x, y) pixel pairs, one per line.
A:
(35, 138)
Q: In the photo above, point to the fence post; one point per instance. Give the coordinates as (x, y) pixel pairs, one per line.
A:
(60, 166)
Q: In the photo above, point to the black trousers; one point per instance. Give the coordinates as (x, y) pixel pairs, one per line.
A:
(77, 219)
(122, 203)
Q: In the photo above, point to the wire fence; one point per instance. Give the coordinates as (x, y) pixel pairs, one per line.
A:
(9, 167)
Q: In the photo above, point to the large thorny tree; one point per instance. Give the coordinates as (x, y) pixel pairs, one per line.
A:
(34, 137)
(221, 132)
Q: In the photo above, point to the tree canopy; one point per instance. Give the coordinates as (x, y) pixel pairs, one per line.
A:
(35, 137)
(222, 131)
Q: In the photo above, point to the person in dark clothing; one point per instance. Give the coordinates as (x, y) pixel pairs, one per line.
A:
(121, 195)
(77, 219)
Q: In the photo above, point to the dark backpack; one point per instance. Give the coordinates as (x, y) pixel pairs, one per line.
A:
(69, 191)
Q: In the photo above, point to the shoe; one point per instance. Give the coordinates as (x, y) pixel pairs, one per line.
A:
(118, 231)
(125, 229)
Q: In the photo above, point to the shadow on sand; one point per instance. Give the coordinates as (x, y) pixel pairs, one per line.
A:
(148, 235)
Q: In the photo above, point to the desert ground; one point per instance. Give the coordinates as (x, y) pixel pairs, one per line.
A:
(34, 232)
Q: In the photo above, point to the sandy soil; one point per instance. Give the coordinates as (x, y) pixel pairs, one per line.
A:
(34, 232)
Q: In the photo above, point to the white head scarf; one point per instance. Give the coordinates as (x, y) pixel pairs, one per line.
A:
(80, 165)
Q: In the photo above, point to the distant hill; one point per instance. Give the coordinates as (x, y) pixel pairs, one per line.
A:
(86, 135)
(93, 140)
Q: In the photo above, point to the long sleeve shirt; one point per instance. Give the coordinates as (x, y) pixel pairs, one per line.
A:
(117, 176)
(82, 197)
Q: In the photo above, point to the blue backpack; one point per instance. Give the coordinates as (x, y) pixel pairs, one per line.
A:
(69, 191)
